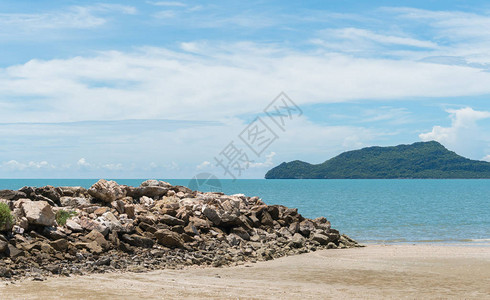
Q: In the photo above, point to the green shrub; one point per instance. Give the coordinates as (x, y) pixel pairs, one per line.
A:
(6, 218)
(63, 215)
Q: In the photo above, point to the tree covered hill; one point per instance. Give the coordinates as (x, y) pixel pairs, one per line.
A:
(418, 160)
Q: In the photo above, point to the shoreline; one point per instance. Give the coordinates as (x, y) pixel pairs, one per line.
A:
(375, 271)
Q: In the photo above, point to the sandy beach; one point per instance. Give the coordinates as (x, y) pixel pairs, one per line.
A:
(376, 271)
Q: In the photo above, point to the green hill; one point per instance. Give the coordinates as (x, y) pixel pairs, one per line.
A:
(418, 160)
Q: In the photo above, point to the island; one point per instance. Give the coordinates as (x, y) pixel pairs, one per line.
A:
(418, 160)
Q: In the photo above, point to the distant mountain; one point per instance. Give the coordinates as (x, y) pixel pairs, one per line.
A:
(418, 160)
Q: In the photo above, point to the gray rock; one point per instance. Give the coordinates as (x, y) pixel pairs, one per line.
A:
(153, 182)
(306, 227)
(73, 201)
(110, 221)
(212, 215)
(298, 240)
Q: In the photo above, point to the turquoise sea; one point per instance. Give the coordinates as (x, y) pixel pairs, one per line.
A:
(371, 211)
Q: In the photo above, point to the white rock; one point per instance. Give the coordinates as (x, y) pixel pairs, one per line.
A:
(107, 191)
(39, 213)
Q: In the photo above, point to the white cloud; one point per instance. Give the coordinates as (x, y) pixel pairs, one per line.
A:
(77, 17)
(363, 36)
(463, 136)
(14, 165)
(167, 3)
(204, 165)
(267, 163)
(486, 158)
(156, 83)
(113, 167)
(165, 14)
(82, 162)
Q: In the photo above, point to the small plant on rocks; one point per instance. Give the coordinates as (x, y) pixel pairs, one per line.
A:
(62, 216)
(6, 218)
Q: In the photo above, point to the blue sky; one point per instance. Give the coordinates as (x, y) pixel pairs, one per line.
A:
(140, 89)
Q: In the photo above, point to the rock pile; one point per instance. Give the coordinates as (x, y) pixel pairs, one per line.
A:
(113, 227)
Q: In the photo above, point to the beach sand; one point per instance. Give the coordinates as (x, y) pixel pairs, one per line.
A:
(376, 271)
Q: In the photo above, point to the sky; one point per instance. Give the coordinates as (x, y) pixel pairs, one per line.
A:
(172, 89)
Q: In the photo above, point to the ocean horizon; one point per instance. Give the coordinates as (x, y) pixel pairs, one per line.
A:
(390, 211)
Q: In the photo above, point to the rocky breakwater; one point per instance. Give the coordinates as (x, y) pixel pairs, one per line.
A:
(110, 227)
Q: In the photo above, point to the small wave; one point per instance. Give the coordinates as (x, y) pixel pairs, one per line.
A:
(405, 241)
(478, 240)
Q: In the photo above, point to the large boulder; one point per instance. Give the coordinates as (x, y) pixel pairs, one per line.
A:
(212, 215)
(107, 191)
(151, 188)
(38, 212)
(99, 238)
(321, 238)
(169, 238)
(110, 221)
(72, 191)
(49, 192)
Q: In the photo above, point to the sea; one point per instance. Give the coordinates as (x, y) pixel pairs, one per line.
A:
(370, 211)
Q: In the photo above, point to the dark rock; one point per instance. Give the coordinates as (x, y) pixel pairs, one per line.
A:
(212, 215)
(306, 227)
(138, 240)
(49, 192)
(3, 246)
(59, 245)
(321, 238)
(14, 252)
(5, 272)
(273, 211)
(53, 233)
(12, 195)
(242, 233)
(169, 220)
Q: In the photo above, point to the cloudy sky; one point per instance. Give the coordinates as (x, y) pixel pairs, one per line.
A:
(140, 89)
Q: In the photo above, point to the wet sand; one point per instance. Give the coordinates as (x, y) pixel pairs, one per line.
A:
(376, 271)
